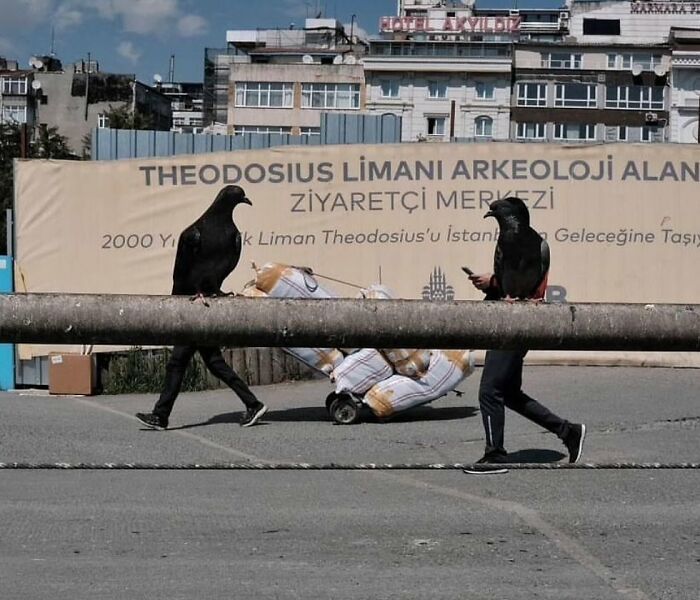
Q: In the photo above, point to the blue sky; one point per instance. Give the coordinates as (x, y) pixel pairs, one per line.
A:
(138, 36)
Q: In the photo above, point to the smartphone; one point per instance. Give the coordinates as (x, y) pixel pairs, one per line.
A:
(468, 271)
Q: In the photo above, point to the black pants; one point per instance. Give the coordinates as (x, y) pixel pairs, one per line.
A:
(175, 372)
(500, 386)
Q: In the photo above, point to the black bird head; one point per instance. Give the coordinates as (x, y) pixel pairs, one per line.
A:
(231, 196)
(510, 213)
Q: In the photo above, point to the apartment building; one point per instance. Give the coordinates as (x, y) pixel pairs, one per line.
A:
(684, 108)
(621, 74)
(17, 93)
(445, 69)
(186, 102)
(280, 81)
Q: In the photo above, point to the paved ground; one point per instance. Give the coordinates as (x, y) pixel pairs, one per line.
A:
(69, 535)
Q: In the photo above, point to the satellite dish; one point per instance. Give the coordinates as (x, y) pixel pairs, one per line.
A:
(660, 70)
(350, 59)
(35, 62)
(158, 78)
(307, 59)
(637, 69)
(36, 84)
(337, 60)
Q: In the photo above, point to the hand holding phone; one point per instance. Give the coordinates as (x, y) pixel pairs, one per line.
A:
(468, 271)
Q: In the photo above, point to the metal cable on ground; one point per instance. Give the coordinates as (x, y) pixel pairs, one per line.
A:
(117, 466)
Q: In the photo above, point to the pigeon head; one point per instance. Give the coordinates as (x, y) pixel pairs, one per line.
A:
(231, 196)
(511, 213)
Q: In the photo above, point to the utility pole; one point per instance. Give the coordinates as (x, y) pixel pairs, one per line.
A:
(87, 87)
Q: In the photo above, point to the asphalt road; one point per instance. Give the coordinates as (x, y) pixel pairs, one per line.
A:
(69, 535)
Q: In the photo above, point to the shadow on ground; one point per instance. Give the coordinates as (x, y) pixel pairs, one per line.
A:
(535, 455)
(319, 413)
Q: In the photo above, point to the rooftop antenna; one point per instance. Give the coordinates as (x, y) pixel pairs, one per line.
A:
(171, 70)
(53, 41)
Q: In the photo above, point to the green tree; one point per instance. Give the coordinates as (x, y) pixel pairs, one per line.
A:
(122, 117)
(47, 143)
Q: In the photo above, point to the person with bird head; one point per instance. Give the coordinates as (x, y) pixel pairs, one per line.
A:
(520, 270)
(208, 251)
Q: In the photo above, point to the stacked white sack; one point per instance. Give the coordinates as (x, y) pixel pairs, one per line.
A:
(360, 371)
(321, 359)
(447, 369)
(282, 281)
(411, 362)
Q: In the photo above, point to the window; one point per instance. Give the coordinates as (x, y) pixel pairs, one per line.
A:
(580, 95)
(561, 60)
(16, 86)
(601, 26)
(241, 129)
(310, 131)
(14, 114)
(483, 127)
(103, 121)
(485, 91)
(634, 97)
(389, 88)
(649, 133)
(532, 94)
(530, 131)
(622, 133)
(437, 89)
(436, 126)
(264, 94)
(627, 60)
(574, 131)
(330, 95)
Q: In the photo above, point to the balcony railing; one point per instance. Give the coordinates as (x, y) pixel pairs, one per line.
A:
(440, 49)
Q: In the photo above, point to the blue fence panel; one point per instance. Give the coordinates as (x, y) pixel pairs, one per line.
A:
(7, 351)
(336, 128)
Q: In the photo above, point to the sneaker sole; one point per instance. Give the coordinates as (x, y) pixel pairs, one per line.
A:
(151, 426)
(257, 416)
(579, 450)
(485, 471)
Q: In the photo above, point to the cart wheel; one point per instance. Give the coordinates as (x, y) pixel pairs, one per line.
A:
(344, 410)
(329, 400)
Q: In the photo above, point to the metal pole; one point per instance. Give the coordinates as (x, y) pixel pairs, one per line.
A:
(342, 323)
(87, 88)
(9, 228)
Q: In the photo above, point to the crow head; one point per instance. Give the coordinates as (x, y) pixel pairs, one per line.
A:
(511, 213)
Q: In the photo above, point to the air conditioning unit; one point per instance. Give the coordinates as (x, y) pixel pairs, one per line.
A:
(651, 117)
(601, 77)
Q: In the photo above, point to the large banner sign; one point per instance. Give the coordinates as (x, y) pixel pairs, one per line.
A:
(622, 220)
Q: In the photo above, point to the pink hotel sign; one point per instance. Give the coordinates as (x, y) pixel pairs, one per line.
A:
(451, 24)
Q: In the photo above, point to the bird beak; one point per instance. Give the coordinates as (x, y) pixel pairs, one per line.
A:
(246, 201)
(489, 214)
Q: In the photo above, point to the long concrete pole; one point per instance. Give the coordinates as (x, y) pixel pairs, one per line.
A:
(344, 323)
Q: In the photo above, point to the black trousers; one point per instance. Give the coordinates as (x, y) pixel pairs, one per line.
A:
(213, 359)
(501, 382)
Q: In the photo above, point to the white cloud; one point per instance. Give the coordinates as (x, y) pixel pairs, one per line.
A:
(192, 25)
(128, 51)
(67, 16)
(24, 14)
(146, 16)
(356, 31)
(136, 16)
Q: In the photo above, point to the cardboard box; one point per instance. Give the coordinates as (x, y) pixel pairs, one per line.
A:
(72, 374)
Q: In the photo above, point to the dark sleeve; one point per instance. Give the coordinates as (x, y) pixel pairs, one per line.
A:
(493, 292)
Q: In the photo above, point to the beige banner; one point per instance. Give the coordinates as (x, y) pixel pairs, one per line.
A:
(622, 220)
